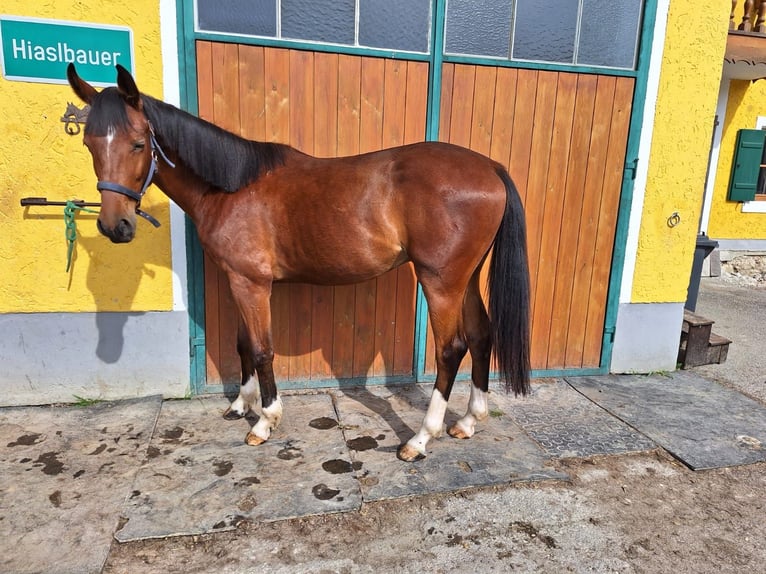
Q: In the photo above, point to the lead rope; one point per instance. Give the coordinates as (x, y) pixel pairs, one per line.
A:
(70, 210)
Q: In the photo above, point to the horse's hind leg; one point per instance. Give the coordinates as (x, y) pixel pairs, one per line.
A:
(249, 392)
(444, 309)
(257, 352)
(476, 325)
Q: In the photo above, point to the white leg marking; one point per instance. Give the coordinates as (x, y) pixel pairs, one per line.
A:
(249, 395)
(478, 410)
(269, 419)
(433, 424)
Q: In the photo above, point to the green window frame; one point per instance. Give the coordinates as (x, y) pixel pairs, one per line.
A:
(747, 170)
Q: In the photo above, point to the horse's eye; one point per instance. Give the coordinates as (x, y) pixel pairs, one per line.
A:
(138, 146)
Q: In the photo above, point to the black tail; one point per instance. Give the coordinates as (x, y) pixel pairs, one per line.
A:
(508, 288)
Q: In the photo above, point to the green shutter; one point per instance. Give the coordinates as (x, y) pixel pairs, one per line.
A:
(747, 164)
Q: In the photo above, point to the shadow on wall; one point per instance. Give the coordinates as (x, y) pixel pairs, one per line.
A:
(106, 257)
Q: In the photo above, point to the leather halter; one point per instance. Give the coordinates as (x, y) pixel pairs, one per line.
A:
(138, 195)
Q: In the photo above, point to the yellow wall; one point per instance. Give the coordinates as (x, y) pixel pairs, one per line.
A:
(689, 80)
(38, 159)
(747, 101)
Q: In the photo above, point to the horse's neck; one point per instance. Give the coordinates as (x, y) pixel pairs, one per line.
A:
(181, 185)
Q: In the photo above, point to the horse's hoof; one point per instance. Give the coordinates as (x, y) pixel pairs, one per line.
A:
(409, 454)
(254, 440)
(456, 432)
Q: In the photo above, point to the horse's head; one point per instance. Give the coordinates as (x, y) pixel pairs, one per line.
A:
(120, 139)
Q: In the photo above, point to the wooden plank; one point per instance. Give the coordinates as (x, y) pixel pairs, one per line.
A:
(205, 80)
(607, 220)
(523, 124)
(483, 109)
(226, 86)
(599, 142)
(445, 106)
(212, 323)
(277, 126)
(325, 104)
(325, 95)
(349, 103)
(552, 216)
(252, 92)
(301, 101)
(502, 124)
(277, 82)
(462, 105)
(570, 223)
(416, 109)
(545, 102)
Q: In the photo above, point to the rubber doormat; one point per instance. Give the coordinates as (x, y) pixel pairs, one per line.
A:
(566, 424)
(703, 424)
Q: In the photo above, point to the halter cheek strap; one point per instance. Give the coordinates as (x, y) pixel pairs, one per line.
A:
(138, 195)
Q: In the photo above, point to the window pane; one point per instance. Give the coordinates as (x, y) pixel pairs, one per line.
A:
(478, 27)
(545, 31)
(608, 33)
(319, 20)
(254, 17)
(395, 24)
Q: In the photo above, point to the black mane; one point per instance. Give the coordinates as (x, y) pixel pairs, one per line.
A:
(221, 158)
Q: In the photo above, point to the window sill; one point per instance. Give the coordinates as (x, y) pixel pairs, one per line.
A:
(757, 206)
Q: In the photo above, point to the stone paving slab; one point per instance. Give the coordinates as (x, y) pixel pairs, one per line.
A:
(66, 472)
(566, 424)
(376, 420)
(702, 423)
(201, 477)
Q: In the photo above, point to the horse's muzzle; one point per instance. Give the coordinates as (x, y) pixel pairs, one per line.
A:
(123, 232)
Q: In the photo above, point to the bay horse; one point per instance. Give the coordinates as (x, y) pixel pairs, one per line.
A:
(266, 212)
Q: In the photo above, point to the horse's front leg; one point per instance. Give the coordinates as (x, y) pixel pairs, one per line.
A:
(249, 392)
(257, 355)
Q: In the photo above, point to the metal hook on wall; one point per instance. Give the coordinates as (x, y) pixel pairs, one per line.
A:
(674, 219)
(73, 117)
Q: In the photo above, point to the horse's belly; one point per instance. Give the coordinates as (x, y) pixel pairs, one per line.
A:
(351, 263)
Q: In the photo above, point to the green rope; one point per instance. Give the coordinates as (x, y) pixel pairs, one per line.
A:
(70, 211)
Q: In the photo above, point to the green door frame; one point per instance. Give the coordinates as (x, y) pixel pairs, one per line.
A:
(187, 37)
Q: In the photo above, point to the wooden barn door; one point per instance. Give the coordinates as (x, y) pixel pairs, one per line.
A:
(326, 105)
(563, 137)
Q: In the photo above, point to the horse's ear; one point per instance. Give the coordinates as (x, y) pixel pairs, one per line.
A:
(83, 89)
(126, 85)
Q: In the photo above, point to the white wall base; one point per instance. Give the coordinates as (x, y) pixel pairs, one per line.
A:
(646, 338)
(53, 357)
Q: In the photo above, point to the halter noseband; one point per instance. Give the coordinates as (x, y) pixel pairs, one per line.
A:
(138, 195)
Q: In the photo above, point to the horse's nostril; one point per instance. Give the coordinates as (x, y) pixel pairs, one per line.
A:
(124, 231)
